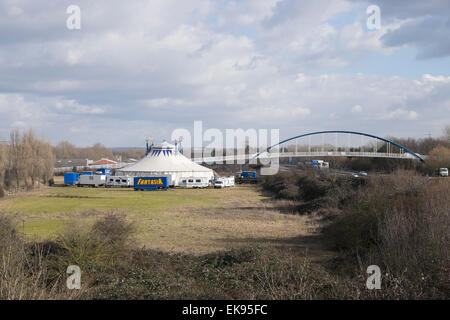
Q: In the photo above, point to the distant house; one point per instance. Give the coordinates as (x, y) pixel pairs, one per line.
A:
(64, 165)
(104, 163)
(107, 163)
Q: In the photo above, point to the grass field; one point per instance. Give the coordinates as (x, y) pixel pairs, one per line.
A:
(179, 220)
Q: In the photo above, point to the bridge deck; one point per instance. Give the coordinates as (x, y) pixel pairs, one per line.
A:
(244, 157)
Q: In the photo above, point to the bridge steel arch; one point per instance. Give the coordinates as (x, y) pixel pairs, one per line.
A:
(418, 157)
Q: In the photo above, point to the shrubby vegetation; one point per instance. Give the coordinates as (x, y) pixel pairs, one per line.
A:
(400, 222)
(34, 270)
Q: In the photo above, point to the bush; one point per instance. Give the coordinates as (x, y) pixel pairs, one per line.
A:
(400, 223)
(311, 188)
(101, 247)
(38, 270)
(281, 186)
(23, 273)
(247, 273)
(2, 192)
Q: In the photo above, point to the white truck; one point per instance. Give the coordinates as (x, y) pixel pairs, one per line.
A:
(93, 180)
(317, 164)
(443, 172)
(194, 182)
(119, 182)
(224, 182)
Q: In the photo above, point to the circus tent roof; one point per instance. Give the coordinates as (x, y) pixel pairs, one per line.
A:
(165, 158)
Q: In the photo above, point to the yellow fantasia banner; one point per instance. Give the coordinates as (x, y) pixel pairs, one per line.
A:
(150, 182)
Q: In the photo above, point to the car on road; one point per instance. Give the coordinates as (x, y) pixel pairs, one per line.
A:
(362, 173)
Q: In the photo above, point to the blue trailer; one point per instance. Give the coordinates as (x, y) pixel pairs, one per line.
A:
(104, 171)
(151, 183)
(247, 177)
(71, 178)
(248, 174)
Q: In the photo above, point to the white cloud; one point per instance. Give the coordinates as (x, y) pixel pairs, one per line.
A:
(232, 64)
(357, 108)
(19, 125)
(400, 114)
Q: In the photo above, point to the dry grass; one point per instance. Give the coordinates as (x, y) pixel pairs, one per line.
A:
(202, 231)
(179, 221)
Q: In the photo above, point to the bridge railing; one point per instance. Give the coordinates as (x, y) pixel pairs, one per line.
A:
(267, 155)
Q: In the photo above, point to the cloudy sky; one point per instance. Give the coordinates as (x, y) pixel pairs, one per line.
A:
(146, 67)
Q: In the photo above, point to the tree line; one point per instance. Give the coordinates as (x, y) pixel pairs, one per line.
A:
(66, 150)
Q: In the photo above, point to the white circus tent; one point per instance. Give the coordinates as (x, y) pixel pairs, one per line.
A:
(166, 160)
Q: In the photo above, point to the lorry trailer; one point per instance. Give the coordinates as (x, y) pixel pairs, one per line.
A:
(151, 183)
(71, 178)
(248, 174)
(318, 164)
(95, 180)
(247, 177)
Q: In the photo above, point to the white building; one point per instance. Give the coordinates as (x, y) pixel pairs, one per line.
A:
(165, 160)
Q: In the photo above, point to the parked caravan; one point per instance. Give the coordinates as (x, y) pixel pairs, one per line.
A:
(119, 182)
(194, 182)
(224, 182)
(151, 183)
(230, 181)
(95, 180)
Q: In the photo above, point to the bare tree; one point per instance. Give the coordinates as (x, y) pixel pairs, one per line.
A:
(66, 150)
(26, 161)
(447, 133)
